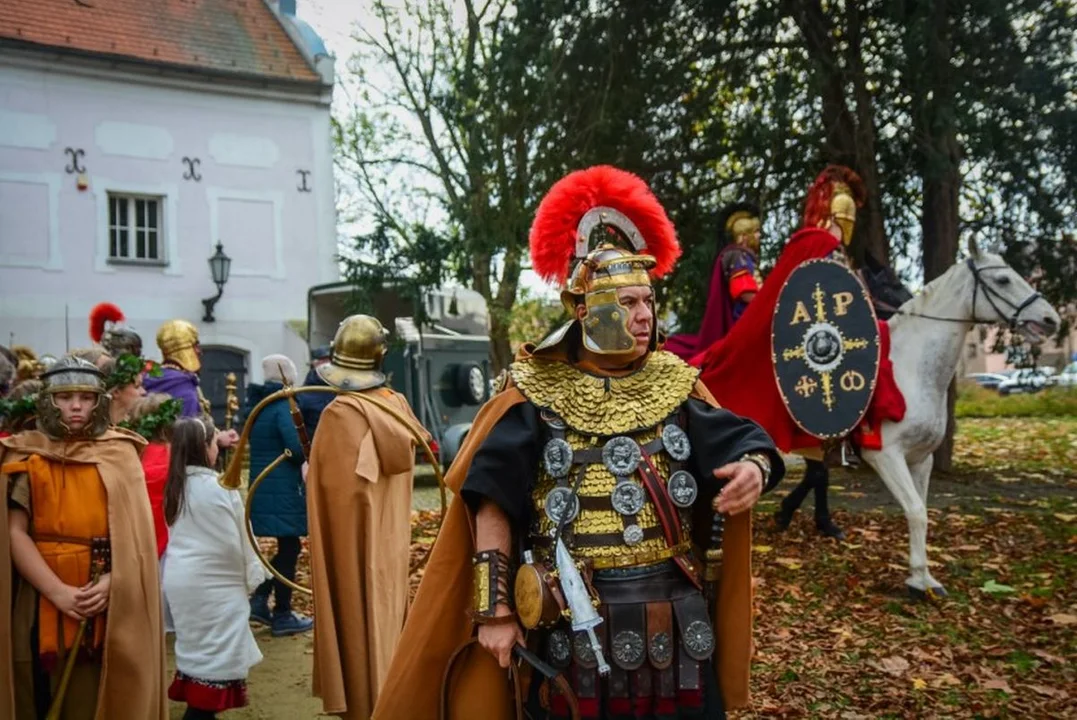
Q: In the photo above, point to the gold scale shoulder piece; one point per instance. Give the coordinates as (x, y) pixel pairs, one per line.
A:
(607, 405)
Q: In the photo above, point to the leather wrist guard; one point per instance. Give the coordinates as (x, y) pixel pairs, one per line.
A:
(492, 574)
(761, 461)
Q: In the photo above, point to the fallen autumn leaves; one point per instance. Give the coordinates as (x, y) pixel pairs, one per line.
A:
(836, 636)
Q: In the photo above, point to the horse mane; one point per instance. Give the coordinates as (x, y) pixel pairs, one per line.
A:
(920, 300)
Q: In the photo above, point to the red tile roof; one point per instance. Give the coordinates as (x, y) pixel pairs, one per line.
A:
(230, 36)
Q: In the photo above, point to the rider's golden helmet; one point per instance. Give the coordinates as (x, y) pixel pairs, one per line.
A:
(178, 342)
(357, 354)
(834, 198)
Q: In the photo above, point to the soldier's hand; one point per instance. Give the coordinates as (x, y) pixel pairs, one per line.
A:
(743, 489)
(499, 640)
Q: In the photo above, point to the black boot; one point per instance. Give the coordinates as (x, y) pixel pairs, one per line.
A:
(784, 516)
(820, 478)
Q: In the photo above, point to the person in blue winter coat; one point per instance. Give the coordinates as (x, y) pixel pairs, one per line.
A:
(312, 403)
(279, 508)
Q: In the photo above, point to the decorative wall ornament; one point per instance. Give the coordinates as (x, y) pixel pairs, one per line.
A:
(303, 186)
(192, 171)
(76, 165)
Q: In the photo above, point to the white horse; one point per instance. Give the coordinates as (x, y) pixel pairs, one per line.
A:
(927, 338)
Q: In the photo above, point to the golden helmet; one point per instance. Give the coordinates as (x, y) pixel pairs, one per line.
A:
(595, 231)
(178, 341)
(357, 353)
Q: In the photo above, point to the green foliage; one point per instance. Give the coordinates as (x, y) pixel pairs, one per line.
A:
(150, 424)
(534, 318)
(974, 401)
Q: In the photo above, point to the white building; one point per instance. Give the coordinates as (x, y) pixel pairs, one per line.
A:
(135, 136)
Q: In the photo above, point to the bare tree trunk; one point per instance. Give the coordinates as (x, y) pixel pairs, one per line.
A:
(939, 158)
(850, 139)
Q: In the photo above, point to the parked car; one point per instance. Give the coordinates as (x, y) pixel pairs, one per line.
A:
(1068, 376)
(987, 380)
(1027, 380)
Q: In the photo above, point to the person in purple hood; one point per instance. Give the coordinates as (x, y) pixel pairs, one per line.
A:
(181, 356)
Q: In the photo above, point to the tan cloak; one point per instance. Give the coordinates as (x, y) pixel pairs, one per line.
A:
(439, 623)
(133, 669)
(359, 509)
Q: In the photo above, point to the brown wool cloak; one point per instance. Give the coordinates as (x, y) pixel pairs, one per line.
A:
(359, 509)
(439, 623)
(133, 668)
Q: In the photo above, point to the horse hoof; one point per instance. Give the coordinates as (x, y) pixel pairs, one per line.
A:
(930, 595)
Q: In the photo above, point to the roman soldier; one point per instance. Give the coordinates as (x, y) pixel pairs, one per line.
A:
(79, 543)
(734, 281)
(124, 367)
(601, 516)
(359, 508)
(745, 354)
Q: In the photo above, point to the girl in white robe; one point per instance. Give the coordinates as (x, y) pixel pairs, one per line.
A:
(209, 570)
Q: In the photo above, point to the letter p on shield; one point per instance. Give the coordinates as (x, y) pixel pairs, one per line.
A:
(842, 301)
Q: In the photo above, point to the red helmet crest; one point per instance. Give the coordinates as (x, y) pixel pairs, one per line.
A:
(100, 316)
(555, 232)
(817, 203)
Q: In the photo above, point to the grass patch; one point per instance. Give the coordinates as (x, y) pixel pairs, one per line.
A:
(974, 401)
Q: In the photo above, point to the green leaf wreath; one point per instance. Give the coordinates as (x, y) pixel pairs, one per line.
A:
(128, 368)
(15, 409)
(148, 425)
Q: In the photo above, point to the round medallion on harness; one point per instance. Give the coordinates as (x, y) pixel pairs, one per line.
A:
(581, 648)
(699, 639)
(633, 534)
(559, 647)
(557, 455)
(627, 497)
(628, 648)
(621, 456)
(552, 419)
(561, 504)
(661, 648)
(676, 443)
(683, 489)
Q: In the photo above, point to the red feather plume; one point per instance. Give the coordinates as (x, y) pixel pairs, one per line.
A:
(101, 314)
(553, 233)
(817, 204)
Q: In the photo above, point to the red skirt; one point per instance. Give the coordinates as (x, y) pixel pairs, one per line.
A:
(209, 695)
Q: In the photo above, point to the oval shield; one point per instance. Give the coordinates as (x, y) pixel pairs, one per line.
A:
(825, 348)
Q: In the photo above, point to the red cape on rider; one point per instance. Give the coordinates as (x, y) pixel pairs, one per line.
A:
(745, 352)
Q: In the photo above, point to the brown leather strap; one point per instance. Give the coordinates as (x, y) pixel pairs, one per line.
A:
(68, 539)
(660, 624)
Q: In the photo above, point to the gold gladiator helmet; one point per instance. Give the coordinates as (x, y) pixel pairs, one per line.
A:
(356, 355)
(178, 341)
(72, 374)
(833, 199)
(598, 230)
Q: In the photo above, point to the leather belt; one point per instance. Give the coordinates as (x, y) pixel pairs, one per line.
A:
(666, 587)
(614, 539)
(67, 539)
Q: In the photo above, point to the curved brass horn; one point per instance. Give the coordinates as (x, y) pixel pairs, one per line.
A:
(232, 476)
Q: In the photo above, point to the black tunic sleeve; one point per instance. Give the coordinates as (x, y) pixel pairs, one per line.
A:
(719, 437)
(504, 468)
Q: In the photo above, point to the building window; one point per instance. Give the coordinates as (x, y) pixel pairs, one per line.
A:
(134, 229)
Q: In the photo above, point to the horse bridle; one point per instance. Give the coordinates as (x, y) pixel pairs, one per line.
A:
(994, 298)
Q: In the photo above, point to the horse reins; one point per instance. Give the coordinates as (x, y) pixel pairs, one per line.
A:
(991, 295)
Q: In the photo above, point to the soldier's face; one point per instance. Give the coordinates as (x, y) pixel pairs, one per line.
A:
(638, 301)
(75, 407)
